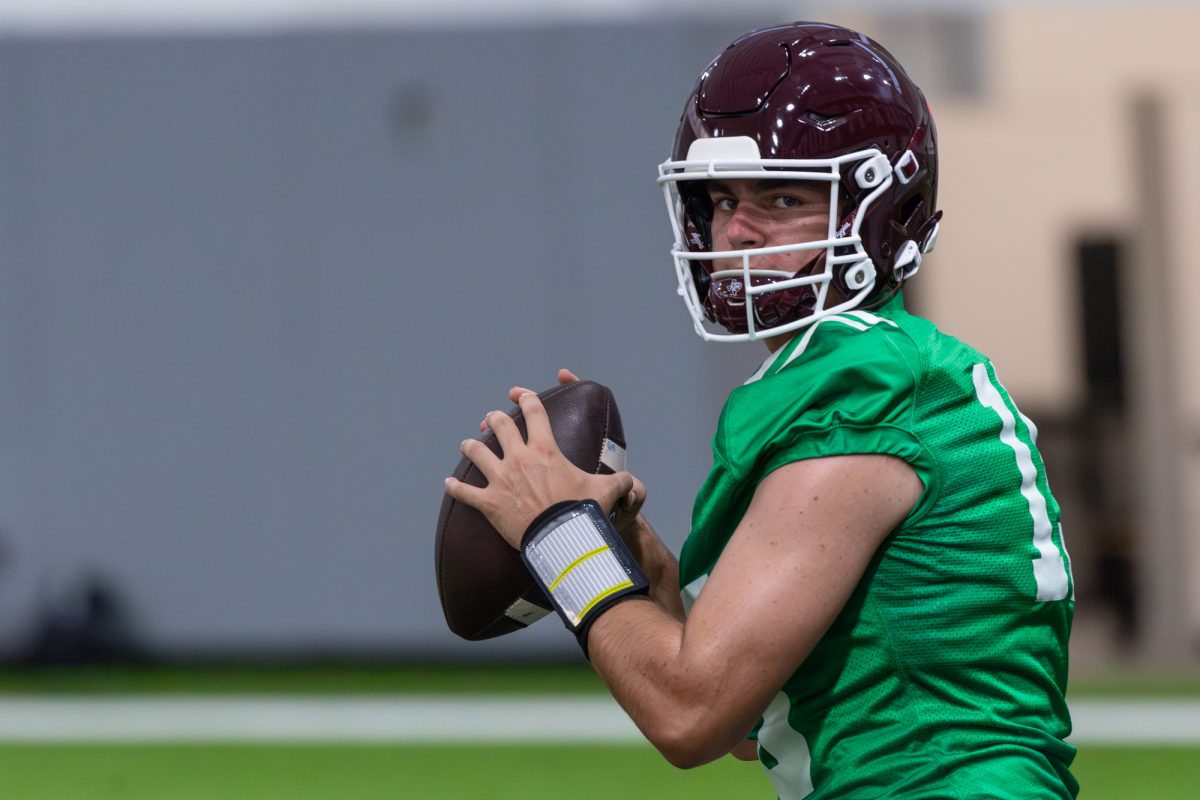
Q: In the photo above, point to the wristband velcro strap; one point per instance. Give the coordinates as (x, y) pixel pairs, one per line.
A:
(579, 560)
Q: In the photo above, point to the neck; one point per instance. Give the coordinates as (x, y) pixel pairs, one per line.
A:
(773, 343)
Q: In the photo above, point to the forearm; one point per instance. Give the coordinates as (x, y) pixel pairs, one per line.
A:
(678, 699)
(659, 564)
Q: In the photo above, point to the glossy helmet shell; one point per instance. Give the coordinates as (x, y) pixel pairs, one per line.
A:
(818, 91)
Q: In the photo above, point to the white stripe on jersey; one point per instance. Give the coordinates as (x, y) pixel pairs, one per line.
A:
(690, 593)
(871, 319)
(766, 365)
(803, 345)
(861, 317)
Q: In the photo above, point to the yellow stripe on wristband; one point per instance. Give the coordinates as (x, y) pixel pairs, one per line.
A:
(603, 595)
(576, 563)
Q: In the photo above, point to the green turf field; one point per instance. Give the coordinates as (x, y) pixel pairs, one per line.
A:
(452, 772)
(360, 772)
(104, 772)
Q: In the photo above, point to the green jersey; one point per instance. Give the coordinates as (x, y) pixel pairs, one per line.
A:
(944, 674)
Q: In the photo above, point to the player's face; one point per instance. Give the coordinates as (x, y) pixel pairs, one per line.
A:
(765, 213)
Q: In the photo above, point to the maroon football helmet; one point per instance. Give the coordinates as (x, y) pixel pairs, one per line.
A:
(809, 102)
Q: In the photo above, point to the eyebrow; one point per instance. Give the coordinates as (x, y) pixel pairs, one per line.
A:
(767, 184)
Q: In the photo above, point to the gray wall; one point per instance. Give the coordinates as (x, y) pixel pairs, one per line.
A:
(255, 289)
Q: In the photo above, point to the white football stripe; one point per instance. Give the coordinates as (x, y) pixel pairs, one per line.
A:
(525, 612)
(612, 455)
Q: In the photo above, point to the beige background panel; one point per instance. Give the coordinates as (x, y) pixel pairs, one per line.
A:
(1020, 181)
(1076, 51)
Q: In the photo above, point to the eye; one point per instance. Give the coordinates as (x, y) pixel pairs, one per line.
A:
(788, 201)
(724, 203)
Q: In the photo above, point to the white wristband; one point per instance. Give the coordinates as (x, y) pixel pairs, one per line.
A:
(579, 560)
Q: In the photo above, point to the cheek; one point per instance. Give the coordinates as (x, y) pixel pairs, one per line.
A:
(719, 234)
(720, 241)
(810, 229)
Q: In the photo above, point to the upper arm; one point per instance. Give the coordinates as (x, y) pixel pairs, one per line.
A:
(804, 543)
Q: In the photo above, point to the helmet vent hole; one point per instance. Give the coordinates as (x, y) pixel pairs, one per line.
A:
(824, 122)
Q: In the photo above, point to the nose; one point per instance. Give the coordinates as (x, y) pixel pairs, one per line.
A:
(745, 228)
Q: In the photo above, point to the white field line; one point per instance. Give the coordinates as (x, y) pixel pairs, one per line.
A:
(449, 719)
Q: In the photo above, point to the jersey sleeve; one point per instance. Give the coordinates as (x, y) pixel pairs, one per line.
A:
(843, 389)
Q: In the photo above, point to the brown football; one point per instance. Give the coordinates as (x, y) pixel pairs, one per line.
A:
(485, 589)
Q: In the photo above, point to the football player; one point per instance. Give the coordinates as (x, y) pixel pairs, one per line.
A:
(874, 599)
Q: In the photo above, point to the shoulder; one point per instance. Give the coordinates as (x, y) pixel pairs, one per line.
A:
(847, 384)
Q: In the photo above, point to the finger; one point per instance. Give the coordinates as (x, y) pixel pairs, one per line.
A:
(615, 489)
(483, 423)
(481, 456)
(465, 493)
(566, 376)
(630, 506)
(506, 431)
(636, 496)
(515, 393)
(537, 421)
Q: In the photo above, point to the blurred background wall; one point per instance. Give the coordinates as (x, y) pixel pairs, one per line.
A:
(264, 265)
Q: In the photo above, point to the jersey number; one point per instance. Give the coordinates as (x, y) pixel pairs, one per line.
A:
(789, 748)
(1050, 568)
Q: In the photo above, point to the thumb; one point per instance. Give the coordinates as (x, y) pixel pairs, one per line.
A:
(637, 495)
(617, 488)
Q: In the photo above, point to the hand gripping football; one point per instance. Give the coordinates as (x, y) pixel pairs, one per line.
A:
(485, 589)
